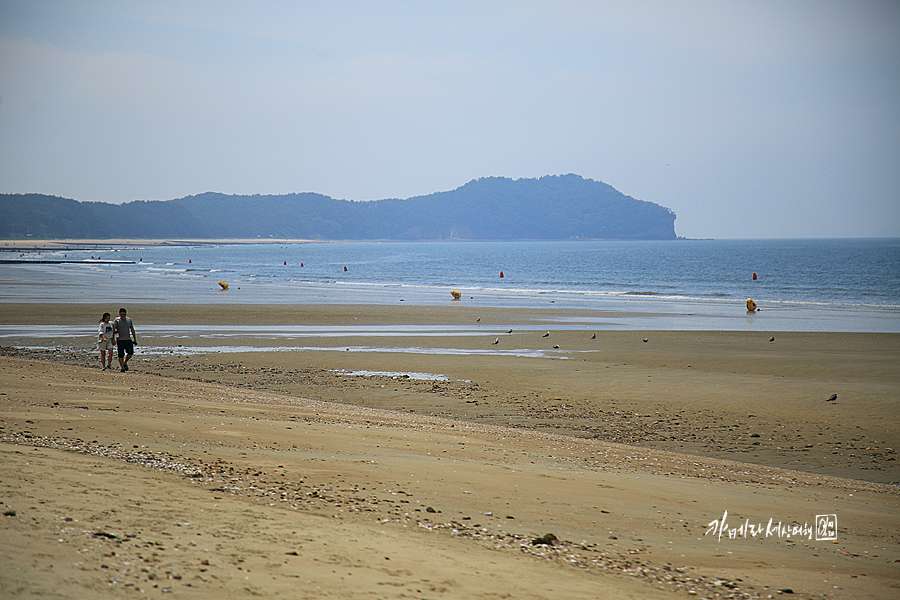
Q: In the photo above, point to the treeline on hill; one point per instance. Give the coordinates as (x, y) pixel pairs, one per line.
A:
(490, 208)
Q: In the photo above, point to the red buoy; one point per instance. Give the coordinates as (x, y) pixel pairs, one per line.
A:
(501, 273)
(345, 268)
(189, 261)
(285, 262)
(754, 277)
(301, 264)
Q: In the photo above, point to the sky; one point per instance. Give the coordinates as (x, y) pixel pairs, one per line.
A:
(748, 119)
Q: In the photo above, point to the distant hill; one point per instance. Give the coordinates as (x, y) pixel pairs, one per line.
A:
(491, 208)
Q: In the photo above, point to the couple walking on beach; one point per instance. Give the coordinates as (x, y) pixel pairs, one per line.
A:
(118, 335)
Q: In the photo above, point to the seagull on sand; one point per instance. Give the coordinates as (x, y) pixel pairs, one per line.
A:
(510, 331)
(594, 337)
(832, 398)
(556, 347)
(546, 334)
(497, 341)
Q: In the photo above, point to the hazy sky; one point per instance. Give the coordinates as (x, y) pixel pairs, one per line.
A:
(747, 118)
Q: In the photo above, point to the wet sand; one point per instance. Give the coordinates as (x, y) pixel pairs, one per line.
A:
(271, 473)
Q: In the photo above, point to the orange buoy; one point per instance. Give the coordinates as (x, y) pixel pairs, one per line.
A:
(754, 277)
(501, 273)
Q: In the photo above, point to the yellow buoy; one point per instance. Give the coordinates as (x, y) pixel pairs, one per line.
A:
(224, 285)
(751, 305)
(456, 295)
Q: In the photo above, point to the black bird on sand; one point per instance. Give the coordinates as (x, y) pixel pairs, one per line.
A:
(832, 398)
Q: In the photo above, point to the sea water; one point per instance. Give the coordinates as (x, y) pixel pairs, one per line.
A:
(800, 285)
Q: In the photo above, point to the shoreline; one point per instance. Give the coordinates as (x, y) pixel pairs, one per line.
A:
(287, 273)
(756, 397)
(27, 245)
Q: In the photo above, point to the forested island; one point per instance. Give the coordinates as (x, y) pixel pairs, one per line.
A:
(562, 207)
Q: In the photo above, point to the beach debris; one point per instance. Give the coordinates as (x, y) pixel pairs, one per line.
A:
(9, 513)
(546, 334)
(430, 510)
(497, 341)
(547, 539)
(832, 398)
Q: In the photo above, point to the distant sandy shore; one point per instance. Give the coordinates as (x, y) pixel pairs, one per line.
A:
(278, 474)
(41, 244)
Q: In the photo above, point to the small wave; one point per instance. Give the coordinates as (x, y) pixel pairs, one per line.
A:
(641, 294)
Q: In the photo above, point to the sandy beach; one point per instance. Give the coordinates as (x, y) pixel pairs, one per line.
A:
(279, 473)
(57, 244)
